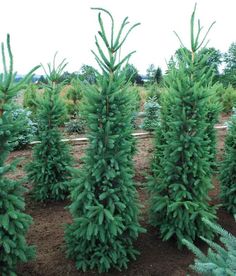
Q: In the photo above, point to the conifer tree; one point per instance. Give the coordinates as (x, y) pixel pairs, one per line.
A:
(104, 201)
(49, 170)
(220, 260)
(14, 223)
(228, 169)
(182, 163)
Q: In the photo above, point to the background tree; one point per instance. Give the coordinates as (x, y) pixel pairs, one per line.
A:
(151, 71)
(229, 73)
(131, 74)
(74, 94)
(30, 98)
(104, 201)
(158, 75)
(49, 170)
(228, 169)
(182, 163)
(14, 223)
(213, 61)
(88, 74)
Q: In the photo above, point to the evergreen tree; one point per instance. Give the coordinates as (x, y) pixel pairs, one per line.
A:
(14, 223)
(182, 164)
(88, 74)
(49, 170)
(158, 75)
(220, 261)
(104, 201)
(74, 93)
(228, 169)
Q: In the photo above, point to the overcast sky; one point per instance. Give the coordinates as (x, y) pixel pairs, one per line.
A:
(40, 28)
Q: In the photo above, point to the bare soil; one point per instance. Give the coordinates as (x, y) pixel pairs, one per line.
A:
(156, 257)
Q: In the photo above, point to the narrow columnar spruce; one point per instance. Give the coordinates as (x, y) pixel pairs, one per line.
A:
(228, 169)
(181, 166)
(49, 171)
(104, 201)
(14, 223)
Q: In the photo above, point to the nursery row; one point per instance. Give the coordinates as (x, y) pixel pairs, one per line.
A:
(104, 201)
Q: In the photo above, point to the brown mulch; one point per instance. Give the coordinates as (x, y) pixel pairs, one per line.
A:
(156, 257)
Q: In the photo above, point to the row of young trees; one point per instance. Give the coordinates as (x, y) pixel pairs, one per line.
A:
(104, 204)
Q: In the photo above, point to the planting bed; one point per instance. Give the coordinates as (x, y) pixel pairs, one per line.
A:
(156, 257)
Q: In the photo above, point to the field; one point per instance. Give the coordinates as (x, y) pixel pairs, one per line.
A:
(156, 257)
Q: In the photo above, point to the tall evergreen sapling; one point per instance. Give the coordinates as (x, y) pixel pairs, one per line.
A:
(228, 169)
(181, 166)
(104, 202)
(14, 223)
(49, 170)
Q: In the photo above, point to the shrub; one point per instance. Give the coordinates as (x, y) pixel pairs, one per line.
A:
(49, 170)
(104, 200)
(14, 223)
(151, 114)
(75, 126)
(219, 261)
(28, 130)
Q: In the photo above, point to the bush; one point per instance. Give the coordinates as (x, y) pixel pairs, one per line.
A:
(151, 114)
(220, 261)
(28, 130)
(75, 126)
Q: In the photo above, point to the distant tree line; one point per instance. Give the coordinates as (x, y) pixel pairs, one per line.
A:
(223, 65)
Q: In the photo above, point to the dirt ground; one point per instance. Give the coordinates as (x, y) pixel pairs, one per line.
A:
(156, 257)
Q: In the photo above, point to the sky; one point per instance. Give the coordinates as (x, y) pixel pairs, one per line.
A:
(38, 29)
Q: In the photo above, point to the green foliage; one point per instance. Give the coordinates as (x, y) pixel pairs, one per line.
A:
(227, 97)
(213, 59)
(88, 74)
(76, 126)
(131, 73)
(28, 129)
(14, 223)
(155, 90)
(151, 118)
(229, 75)
(182, 163)
(228, 169)
(30, 98)
(219, 261)
(49, 170)
(74, 94)
(214, 107)
(104, 199)
(135, 98)
(154, 75)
